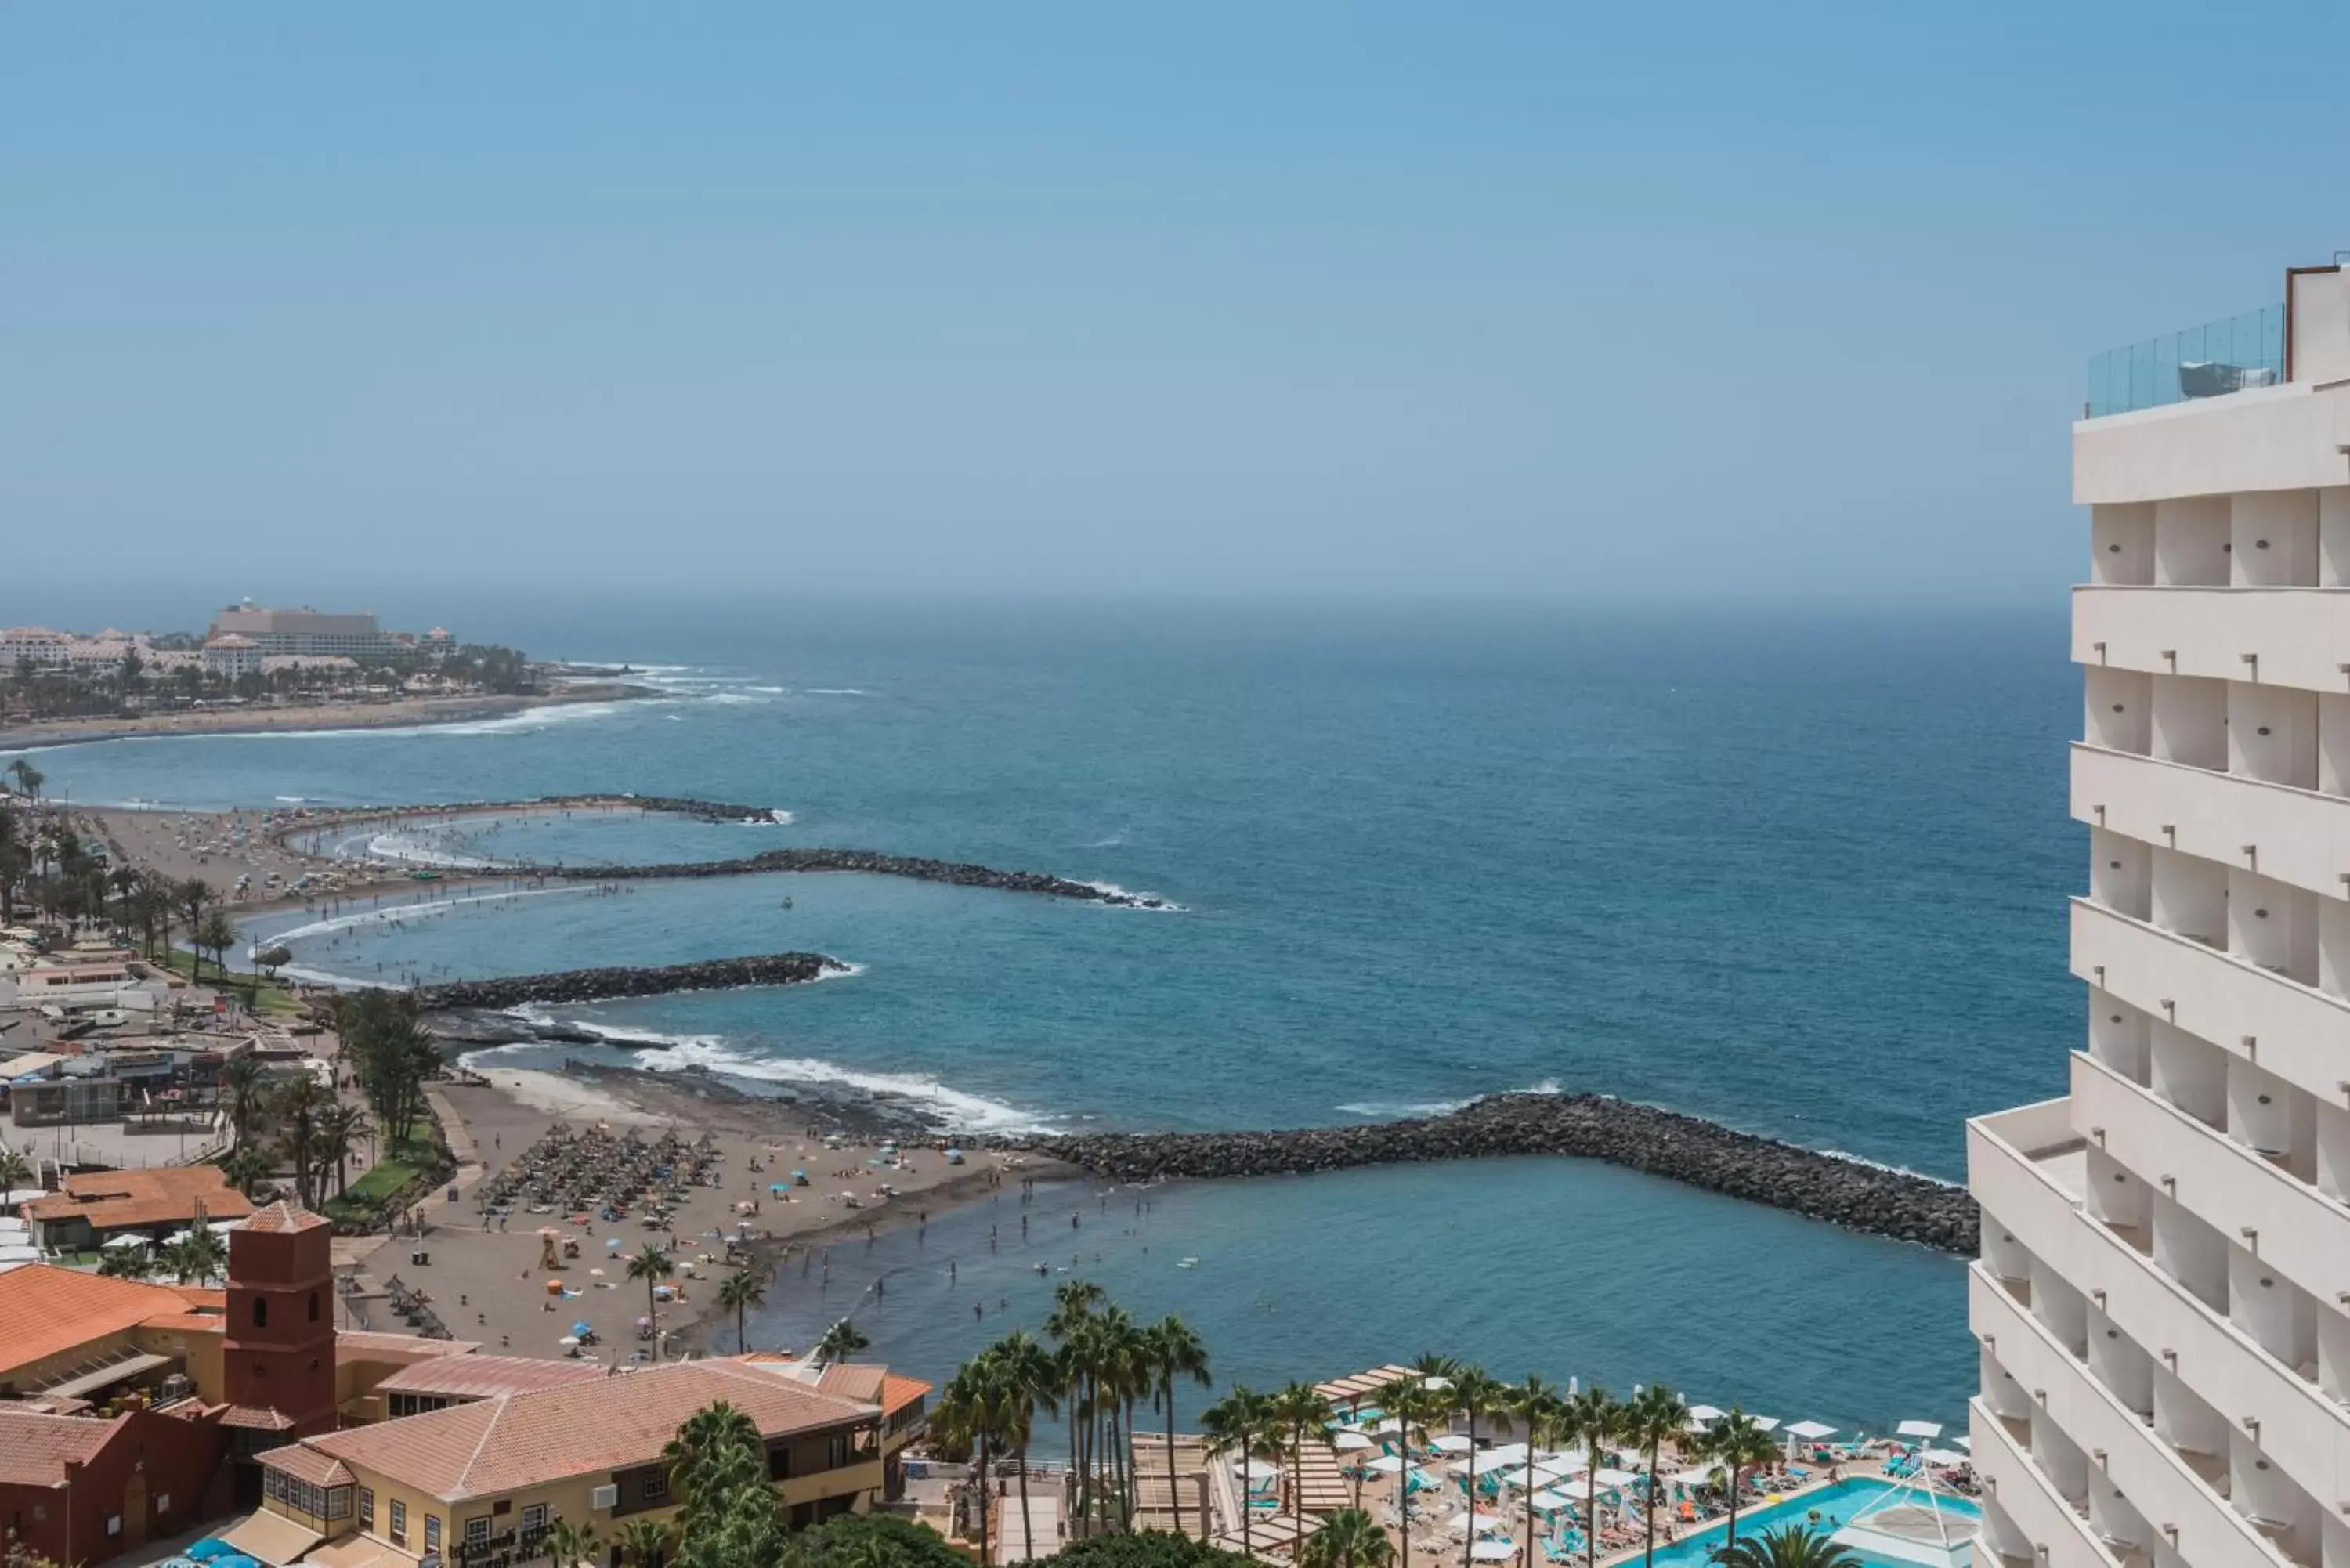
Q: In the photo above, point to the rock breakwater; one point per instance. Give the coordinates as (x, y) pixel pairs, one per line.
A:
(872, 862)
(1689, 1149)
(602, 985)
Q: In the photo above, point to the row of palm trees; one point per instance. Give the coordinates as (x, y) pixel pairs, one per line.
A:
(1102, 1365)
(46, 865)
(317, 1133)
(1438, 1390)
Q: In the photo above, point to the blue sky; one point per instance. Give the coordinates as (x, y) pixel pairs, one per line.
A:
(1654, 302)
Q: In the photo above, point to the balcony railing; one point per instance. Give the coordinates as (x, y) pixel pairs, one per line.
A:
(2206, 361)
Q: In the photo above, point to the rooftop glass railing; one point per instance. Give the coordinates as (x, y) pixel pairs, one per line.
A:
(2207, 361)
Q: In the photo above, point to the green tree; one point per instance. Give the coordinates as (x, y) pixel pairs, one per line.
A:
(651, 1265)
(15, 1169)
(1655, 1416)
(727, 1514)
(247, 1167)
(215, 936)
(242, 1086)
(1594, 1419)
(196, 1258)
(29, 779)
(1735, 1445)
(123, 1262)
(1172, 1351)
(571, 1544)
(1792, 1546)
(970, 1415)
(643, 1541)
(740, 1291)
(841, 1341)
(1535, 1408)
(1303, 1416)
(299, 1105)
(193, 896)
(1476, 1396)
(1349, 1539)
(340, 1126)
(1027, 1379)
(1241, 1423)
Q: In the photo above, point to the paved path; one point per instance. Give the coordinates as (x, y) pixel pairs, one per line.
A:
(1012, 1544)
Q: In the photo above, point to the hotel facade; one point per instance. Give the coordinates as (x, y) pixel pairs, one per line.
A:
(2162, 1299)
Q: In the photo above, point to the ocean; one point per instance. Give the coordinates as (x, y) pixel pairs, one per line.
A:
(1803, 874)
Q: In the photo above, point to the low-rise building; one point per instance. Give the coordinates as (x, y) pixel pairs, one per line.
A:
(232, 654)
(93, 1208)
(483, 1481)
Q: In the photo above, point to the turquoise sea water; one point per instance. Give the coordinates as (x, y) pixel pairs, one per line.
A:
(1803, 874)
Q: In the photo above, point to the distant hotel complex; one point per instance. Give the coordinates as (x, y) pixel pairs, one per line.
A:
(243, 638)
(2163, 1299)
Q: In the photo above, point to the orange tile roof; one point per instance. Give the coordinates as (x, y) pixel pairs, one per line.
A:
(511, 1441)
(120, 1200)
(45, 1311)
(34, 1448)
(256, 1418)
(897, 1392)
(363, 1345)
(284, 1215)
(306, 1464)
(480, 1376)
(862, 1384)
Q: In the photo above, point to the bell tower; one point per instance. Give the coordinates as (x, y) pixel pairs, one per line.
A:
(279, 1345)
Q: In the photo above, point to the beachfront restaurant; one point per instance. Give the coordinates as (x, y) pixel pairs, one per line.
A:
(479, 1484)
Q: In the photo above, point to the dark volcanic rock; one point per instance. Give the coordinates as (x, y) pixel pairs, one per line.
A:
(873, 862)
(596, 984)
(1593, 1126)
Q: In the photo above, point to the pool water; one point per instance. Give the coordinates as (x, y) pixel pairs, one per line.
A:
(1835, 1506)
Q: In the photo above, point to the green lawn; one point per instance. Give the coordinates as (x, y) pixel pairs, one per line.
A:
(273, 1000)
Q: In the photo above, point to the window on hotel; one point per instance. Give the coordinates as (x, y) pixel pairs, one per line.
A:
(398, 1522)
(338, 1502)
(836, 1450)
(366, 1508)
(477, 1531)
(657, 1487)
(534, 1517)
(431, 1533)
(261, 1312)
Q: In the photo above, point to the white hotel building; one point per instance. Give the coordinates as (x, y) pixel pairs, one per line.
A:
(2163, 1296)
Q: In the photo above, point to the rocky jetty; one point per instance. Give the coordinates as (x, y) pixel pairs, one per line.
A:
(1684, 1148)
(686, 805)
(600, 984)
(873, 862)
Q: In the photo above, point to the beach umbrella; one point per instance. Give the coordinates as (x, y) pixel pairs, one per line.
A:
(1809, 1430)
(1614, 1477)
(1964, 1441)
(1764, 1423)
(1347, 1441)
(1704, 1416)
(120, 1241)
(1487, 1551)
(1386, 1464)
(1920, 1429)
(581, 1328)
(570, 1342)
(1451, 1443)
(613, 1243)
(1943, 1456)
(1439, 1383)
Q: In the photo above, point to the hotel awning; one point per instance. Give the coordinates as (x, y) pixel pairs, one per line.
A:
(108, 1375)
(270, 1537)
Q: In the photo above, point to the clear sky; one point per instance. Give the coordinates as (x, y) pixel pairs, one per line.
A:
(1650, 302)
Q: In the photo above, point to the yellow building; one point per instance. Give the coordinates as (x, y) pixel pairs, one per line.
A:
(478, 1483)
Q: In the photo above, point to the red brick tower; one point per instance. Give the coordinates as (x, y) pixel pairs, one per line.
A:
(278, 1345)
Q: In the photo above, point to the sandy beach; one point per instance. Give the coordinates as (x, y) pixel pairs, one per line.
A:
(396, 713)
(484, 1273)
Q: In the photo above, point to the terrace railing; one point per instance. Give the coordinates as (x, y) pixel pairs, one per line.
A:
(2207, 361)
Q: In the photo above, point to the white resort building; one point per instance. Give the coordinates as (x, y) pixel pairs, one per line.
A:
(2163, 1296)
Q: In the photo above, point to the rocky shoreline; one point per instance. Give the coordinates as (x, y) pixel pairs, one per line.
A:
(602, 985)
(871, 862)
(1689, 1149)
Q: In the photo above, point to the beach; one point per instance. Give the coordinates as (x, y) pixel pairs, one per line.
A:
(484, 1274)
(399, 713)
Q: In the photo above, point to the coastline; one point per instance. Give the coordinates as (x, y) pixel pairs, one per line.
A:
(398, 713)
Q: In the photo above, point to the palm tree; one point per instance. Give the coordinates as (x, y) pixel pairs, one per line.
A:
(841, 1341)
(1533, 1407)
(651, 1265)
(699, 1456)
(193, 896)
(1416, 1409)
(1300, 1411)
(197, 1256)
(247, 1167)
(742, 1290)
(1173, 1353)
(241, 1084)
(1474, 1393)
(15, 1170)
(1736, 1445)
(1349, 1539)
(1240, 1423)
(1794, 1546)
(1654, 1414)
(299, 1105)
(968, 1414)
(340, 1126)
(1073, 1304)
(1594, 1419)
(215, 936)
(643, 1542)
(571, 1544)
(1025, 1378)
(28, 778)
(123, 1262)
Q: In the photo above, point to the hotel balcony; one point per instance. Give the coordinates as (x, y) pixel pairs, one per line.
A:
(2248, 403)
(2299, 1033)
(2058, 1534)
(2296, 637)
(2029, 1171)
(2291, 1227)
(2177, 1492)
(2296, 836)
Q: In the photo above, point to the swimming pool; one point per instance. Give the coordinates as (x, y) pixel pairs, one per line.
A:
(1836, 1505)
